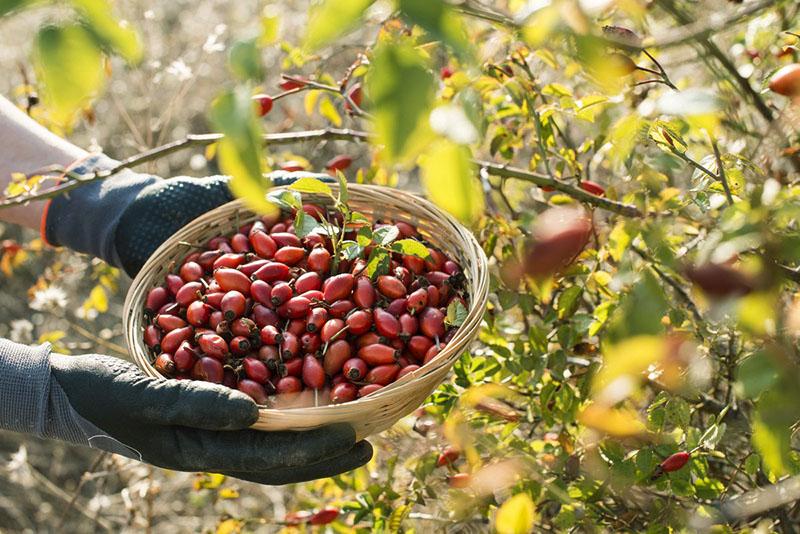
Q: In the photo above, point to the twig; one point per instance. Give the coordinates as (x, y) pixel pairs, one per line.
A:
(328, 134)
(721, 171)
(355, 108)
(84, 478)
(700, 167)
(574, 192)
(480, 12)
(727, 64)
(661, 70)
(708, 26)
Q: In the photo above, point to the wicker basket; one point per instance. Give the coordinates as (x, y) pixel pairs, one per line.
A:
(380, 410)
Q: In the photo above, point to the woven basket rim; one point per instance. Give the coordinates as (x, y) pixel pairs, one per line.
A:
(147, 278)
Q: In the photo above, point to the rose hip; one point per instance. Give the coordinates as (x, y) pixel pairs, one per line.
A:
(249, 268)
(191, 272)
(172, 340)
(408, 325)
(431, 322)
(414, 264)
(386, 324)
(417, 300)
(168, 323)
(359, 322)
(256, 370)
(243, 327)
(254, 390)
(232, 280)
(338, 287)
(383, 374)
(272, 272)
(407, 370)
(317, 318)
(281, 292)
(331, 328)
(209, 370)
(432, 352)
(164, 364)
(297, 327)
(337, 354)
(264, 316)
(391, 287)
(229, 260)
(310, 342)
(370, 338)
(157, 297)
(297, 307)
(292, 367)
(288, 384)
(270, 335)
(263, 244)
(397, 307)
(213, 345)
(290, 255)
(355, 369)
(364, 293)
(239, 346)
(184, 357)
(343, 392)
(418, 346)
(313, 374)
(378, 354)
(309, 281)
(319, 260)
(261, 292)
(341, 308)
(233, 305)
(363, 391)
(290, 346)
(174, 283)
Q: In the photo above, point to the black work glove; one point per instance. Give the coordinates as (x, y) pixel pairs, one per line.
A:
(192, 426)
(125, 217)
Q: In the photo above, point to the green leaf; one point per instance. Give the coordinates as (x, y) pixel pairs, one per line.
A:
(568, 301)
(116, 36)
(378, 263)
(351, 250)
(772, 431)
(364, 236)
(245, 60)
(516, 515)
(640, 311)
(332, 18)
(456, 313)
(69, 65)
(756, 374)
(385, 234)
(7, 6)
(239, 151)
(411, 247)
(304, 224)
(440, 20)
(344, 196)
(401, 88)
(449, 178)
(288, 200)
(311, 185)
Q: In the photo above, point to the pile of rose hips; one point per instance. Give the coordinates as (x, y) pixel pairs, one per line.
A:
(269, 313)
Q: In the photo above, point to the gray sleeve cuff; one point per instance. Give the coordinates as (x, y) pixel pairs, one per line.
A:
(32, 402)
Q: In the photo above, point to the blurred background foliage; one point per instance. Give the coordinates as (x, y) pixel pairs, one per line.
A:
(673, 331)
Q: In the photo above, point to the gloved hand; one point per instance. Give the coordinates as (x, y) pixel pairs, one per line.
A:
(194, 426)
(125, 217)
(107, 403)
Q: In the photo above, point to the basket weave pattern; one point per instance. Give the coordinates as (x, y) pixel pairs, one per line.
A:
(377, 411)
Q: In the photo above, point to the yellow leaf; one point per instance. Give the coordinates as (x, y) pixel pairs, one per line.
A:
(627, 360)
(328, 110)
(210, 151)
(229, 526)
(228, 493)
(208, 481)
(613, 421)
(624, 137)
(516, 515)
(310, 101)
(538, 27)
(450, 180)
(270, 24)
(98, 300)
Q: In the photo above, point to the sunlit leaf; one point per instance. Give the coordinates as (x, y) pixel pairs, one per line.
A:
(331, 18)
(328, 110)
(440, 20)
(270, 27)
(378, 263)
(401, 90)
(628, 360)
(68, 53)
(239, 151)
(456, 313)
(450, 180)
(385, 234)
(307, 184)
(412, 247)
(245, 60)
(117, 36)
(613, 421)
(516, 515)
